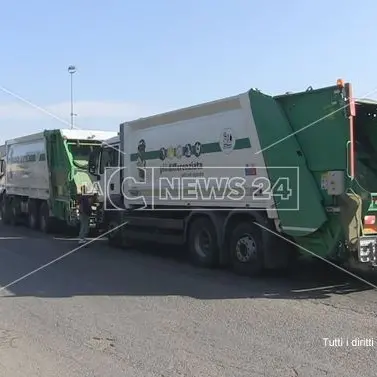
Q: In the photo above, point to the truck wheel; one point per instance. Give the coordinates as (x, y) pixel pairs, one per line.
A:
(4, 212)
(33, 216)
(13, 213)
(202, 242)
(246, 252)
(45, 220)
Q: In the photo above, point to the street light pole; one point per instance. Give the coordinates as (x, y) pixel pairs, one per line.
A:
(72, 71)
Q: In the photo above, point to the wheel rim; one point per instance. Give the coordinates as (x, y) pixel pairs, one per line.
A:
(203, 243)
(246, 248)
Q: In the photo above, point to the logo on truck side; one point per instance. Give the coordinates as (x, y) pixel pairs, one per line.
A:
(141, 162)
(227, 141)
(179, 151)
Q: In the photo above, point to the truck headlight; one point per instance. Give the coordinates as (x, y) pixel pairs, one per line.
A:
(365, 243)
(365, 250)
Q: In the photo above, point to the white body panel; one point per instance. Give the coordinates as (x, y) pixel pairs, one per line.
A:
(209, 123)
(88, 134)
(112, 141)
(26, 167)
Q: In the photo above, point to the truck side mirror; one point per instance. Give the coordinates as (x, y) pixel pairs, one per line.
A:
(2, 168)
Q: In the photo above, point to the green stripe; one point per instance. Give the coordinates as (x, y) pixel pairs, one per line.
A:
(206, 149)
(242, 143)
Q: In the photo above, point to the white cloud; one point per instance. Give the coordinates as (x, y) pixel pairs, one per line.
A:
(83, 109)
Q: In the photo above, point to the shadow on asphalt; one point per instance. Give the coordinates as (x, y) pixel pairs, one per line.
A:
(98, 270)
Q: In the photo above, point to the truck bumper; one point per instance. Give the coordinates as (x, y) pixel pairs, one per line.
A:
(74, 219)
(367, 249)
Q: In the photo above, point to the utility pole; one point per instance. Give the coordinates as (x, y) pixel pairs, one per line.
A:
(72, 71)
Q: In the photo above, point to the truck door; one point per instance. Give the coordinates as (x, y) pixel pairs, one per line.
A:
(110, 176)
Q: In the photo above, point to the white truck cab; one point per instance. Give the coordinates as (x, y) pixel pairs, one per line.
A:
(105, 165)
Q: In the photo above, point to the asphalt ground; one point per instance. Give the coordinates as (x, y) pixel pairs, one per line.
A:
(109, 312)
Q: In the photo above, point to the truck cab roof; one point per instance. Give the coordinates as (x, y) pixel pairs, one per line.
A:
(112, 141)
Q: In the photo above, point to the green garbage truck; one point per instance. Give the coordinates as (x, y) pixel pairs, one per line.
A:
(43, 174)
(250, 181)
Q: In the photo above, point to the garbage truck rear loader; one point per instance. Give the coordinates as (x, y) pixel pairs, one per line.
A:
(249, 180)
(44, 174)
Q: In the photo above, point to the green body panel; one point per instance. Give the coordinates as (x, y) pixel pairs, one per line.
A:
(272, 125)
(297, 130)
(66, 178)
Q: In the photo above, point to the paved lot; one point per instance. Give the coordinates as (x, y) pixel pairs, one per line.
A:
(106, 312)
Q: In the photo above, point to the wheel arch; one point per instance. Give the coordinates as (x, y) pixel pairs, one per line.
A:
(216, 218)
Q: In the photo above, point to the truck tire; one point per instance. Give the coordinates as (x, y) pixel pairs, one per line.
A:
(4, 212)
(246, 250)
(45, 220)
(33, 216)
(13, 213)
(202, 242)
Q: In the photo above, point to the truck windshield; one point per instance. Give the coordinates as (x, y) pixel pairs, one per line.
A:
(81, 153)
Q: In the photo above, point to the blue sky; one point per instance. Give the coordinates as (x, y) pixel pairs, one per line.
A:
(137, 58)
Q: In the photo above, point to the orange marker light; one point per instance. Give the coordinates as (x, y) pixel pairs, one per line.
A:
(340, 83)
(370, 226)
(369, 220)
